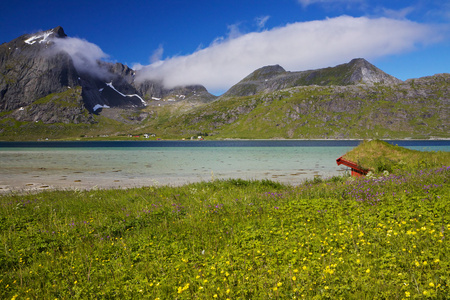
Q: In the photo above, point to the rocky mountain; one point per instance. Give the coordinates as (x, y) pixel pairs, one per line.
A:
(27, 74)
(47, 91)
(32, 67)
(273, 78)
(416, 108)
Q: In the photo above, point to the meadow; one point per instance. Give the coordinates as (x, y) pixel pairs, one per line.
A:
(384, 237)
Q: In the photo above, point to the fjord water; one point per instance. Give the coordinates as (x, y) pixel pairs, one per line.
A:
(41, 165)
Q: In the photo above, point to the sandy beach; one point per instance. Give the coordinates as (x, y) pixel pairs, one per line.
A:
(31, 182)
(65, 182)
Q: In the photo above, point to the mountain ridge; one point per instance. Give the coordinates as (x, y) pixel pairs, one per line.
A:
(44, 92)
(32, 67)
(416, 108)
(275, 77)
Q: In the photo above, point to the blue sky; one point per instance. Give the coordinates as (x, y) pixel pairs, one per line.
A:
(217, 43)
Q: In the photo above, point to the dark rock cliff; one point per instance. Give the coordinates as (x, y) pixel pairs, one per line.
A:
(32, 67)
(28, 73)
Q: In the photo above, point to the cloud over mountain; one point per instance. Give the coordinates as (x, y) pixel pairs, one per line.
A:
(83, 53)
(296, 46)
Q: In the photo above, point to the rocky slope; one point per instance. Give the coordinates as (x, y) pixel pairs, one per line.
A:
(418, 108)
(273, 78)
(66, 107)
(33, 67)
(27, 74)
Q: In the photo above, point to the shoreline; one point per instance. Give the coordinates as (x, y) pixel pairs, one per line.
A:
(35, 184)
(212, 140)
(104, 168)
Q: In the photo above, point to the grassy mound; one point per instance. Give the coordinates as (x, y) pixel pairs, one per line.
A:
(379, 156)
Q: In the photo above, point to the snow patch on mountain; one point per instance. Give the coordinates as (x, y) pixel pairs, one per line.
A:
(98, 106)
(43, 36)
(134, 95)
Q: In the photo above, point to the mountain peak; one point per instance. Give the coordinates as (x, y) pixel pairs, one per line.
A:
(59, 32)
(43, 36)
(364, 72)
(264, 73)
(359, 61)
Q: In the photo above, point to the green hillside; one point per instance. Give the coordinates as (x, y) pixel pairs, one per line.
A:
(359, 111)
(413, 109)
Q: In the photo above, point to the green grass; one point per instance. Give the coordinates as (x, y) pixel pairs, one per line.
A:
(67, 98)
(383, 238)
(26, 131)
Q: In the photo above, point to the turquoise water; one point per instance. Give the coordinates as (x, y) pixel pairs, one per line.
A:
(104, 167)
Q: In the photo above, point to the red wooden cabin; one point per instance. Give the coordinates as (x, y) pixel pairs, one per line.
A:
(357, 171)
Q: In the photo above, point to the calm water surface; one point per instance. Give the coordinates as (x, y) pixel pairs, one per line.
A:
(124, 164)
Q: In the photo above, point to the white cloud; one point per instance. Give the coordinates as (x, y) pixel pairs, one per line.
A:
(440, 12)
(84, 54)
(297, 46)
(234, 31)
(261, 21)
(306, 3)
(157, 54)
(398, 14)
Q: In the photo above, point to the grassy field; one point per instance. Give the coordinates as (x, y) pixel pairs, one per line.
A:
(342, 238)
